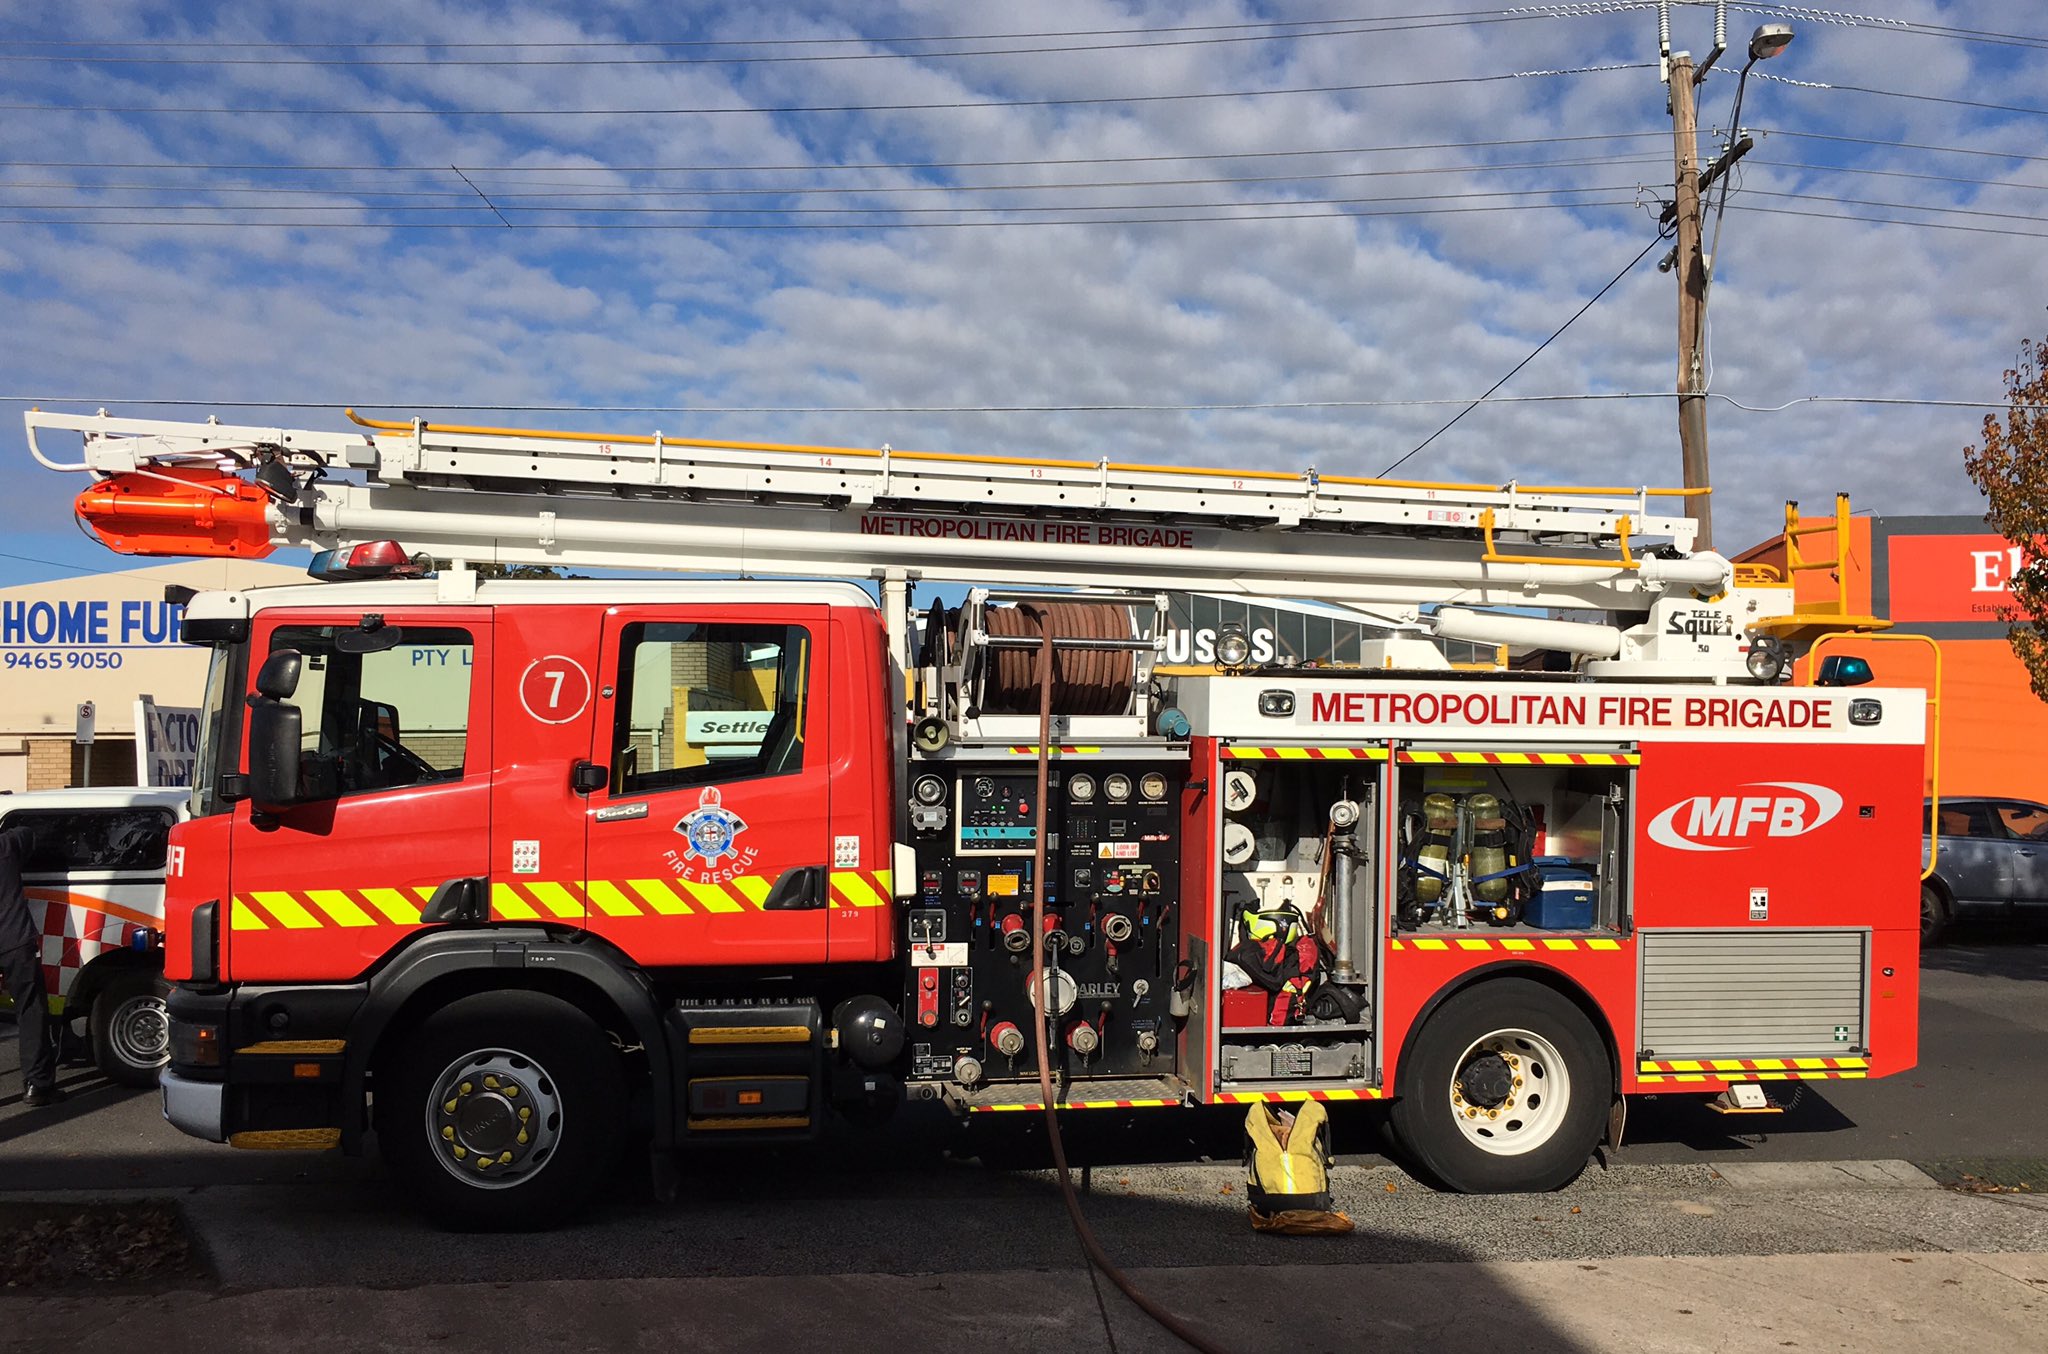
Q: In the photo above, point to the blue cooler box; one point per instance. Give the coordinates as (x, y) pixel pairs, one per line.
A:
(1567, 895)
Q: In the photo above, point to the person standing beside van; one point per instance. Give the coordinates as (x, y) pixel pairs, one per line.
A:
(21, 965)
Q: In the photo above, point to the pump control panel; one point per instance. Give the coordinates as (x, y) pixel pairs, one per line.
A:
(1112, 927)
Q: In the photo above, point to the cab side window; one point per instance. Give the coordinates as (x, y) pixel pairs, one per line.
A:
(706, 703)
(380, 721)
(76, 841)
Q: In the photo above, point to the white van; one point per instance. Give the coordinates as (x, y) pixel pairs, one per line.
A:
(94, 877)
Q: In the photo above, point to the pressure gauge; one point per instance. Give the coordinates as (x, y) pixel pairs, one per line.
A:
(1080, 788)
(1152, 786)
(1117, 787)
(928, 790)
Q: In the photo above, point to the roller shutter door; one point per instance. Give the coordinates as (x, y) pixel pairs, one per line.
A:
(1753, 994)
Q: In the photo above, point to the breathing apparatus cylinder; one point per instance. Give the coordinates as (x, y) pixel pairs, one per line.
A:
(1489, 849)
(1433, 860)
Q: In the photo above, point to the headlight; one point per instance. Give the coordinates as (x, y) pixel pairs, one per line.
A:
(1233, 647)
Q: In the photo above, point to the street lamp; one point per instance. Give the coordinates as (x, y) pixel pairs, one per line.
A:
(1765, 43)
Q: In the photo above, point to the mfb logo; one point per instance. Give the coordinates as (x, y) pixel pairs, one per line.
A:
(1733, 818)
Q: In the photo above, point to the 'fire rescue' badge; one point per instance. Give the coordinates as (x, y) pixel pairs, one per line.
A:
(711, 829)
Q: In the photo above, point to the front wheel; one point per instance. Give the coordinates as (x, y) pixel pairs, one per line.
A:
(1505, 1090)
(502, 1112)
(131, 1033)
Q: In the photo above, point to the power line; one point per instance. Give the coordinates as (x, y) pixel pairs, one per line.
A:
(1891, 221)
(1362, 26)
(784, 109)
(502, 195)
(808, 225)
(1906, 26)
(1904, 145)
(848, 166)
(825, 211)
(1900, 94)
(210, 43)
(1894, 174)
(1655, 241)
(1255, 406)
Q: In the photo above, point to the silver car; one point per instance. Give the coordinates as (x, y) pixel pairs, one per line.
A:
(1993, 862)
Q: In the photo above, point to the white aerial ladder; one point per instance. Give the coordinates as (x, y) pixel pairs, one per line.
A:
(1414, 555)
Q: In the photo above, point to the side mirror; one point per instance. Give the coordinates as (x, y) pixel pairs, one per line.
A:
(275, 729)
(278, 678)
(1843, 670)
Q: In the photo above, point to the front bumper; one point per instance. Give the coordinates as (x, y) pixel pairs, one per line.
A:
(195, 1107)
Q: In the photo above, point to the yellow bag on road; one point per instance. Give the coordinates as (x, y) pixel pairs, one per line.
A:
(1287, 1171)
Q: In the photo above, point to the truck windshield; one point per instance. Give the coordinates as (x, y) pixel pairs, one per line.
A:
(214, 726)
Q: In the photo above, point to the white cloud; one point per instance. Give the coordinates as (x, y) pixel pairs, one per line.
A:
(1361, 309)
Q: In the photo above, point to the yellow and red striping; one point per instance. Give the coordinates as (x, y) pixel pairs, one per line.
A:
(1507, 944)
(1078, 1105)
(1276, 1097)
(1299, 754)
(1693, 1071)
(1521, 758)
(538, 900)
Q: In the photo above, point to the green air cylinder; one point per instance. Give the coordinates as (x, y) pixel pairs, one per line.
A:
(1433, 861)
(1489, 848)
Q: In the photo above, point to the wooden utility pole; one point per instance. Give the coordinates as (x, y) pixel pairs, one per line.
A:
(1692, 300)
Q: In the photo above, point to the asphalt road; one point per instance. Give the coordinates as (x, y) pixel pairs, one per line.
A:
(1975, 1095)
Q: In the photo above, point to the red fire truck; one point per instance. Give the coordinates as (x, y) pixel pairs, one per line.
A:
(488, 867)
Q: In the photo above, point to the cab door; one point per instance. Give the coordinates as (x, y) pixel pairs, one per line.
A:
(394, 789)
(710, 841)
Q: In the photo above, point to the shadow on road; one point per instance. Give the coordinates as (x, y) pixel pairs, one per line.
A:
(2025, 959)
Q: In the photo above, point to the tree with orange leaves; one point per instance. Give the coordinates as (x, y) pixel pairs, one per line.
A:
(2011, 466)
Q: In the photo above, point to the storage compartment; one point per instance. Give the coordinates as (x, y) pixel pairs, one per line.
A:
(1505, 837)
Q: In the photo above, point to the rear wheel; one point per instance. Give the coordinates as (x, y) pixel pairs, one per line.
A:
(131, 1034)
(1505, 1090)
(1934, 914)
(503, 1112)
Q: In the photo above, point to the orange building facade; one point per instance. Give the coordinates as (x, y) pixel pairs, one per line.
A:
(1943, 577)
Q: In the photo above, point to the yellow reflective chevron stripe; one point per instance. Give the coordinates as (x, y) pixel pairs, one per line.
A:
(660, 897)
(506, 903)
(850, 888)
(548, 900)
(556, 899)
(394, 905)
(286, 910)
(1511, 944)
(339, 906)
(710, 897)
(608, 899)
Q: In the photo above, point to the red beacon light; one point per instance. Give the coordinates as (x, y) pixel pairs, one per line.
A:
(371, 559)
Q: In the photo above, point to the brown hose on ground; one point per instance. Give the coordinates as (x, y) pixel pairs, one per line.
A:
(1042, 1002)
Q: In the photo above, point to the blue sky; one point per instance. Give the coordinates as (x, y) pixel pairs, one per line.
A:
(978, 225)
